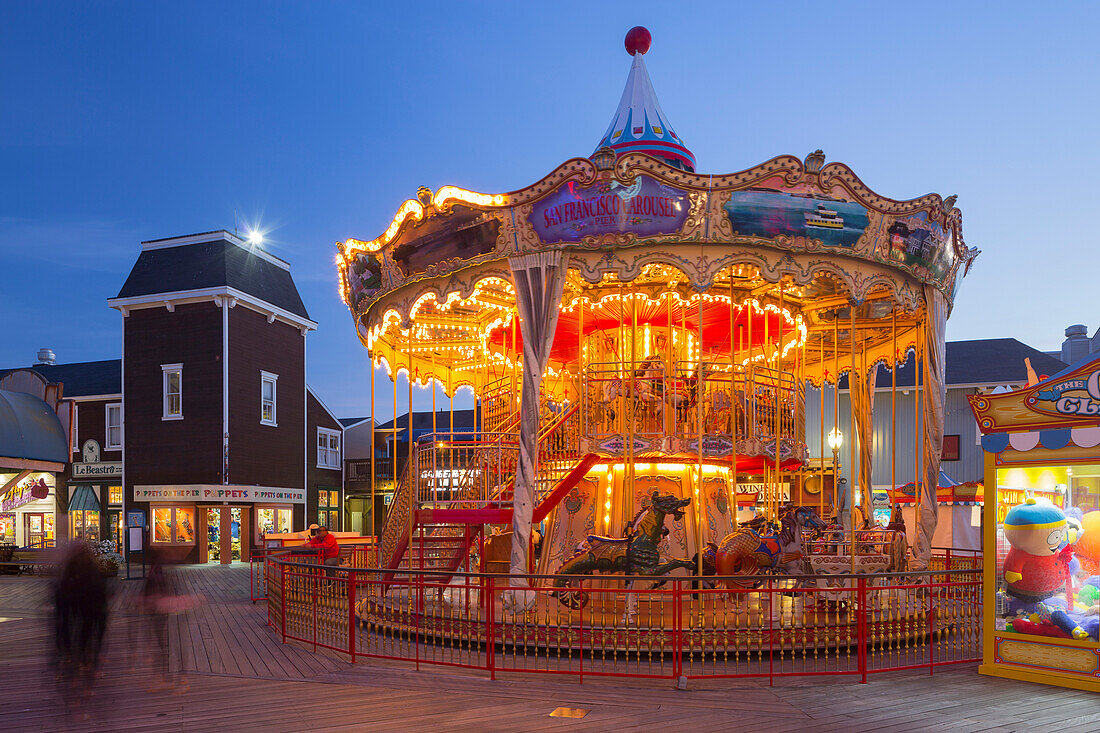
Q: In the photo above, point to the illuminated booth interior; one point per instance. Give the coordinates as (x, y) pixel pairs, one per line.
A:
(1042, 518)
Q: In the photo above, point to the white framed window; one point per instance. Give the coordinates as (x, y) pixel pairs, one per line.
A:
(172, 375)
(268, 384)
(328, 448)
(114, 426)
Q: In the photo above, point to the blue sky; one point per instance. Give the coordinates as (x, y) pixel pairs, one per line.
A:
(129, 121)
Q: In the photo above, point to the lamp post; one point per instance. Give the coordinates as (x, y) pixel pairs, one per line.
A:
(836, 439)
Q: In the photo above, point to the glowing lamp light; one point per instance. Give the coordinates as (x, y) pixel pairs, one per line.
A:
(836, 439)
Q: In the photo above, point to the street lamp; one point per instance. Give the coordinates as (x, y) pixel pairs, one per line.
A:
(836, 439)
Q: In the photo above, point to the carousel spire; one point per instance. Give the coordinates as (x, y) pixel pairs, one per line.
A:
(639, 125)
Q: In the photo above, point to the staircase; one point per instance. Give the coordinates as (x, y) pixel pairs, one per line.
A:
(439, 535)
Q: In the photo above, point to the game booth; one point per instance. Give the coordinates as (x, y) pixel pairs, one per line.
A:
(960, 512)
(1042, 515)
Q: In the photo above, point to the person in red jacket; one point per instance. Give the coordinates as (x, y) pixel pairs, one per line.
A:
(324, 541)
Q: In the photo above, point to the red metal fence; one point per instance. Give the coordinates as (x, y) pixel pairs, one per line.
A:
(788, 626)
(359, 554)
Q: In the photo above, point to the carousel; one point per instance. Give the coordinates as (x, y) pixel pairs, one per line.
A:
(642, 341)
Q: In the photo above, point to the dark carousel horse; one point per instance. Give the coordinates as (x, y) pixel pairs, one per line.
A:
(635, 554)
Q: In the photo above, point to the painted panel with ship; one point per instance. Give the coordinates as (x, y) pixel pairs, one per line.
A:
(765, 212)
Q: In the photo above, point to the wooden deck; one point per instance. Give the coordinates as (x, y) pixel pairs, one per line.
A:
(231, 673)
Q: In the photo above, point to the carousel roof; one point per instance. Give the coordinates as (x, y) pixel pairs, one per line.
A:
(639, 125)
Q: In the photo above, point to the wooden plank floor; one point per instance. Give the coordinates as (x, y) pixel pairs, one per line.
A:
(230, 672)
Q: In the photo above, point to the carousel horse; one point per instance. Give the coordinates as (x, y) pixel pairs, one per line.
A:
(748, 550)
(899, 544)
(635, 554)
(710, 555)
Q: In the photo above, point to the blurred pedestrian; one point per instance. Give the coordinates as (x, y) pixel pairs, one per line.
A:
(159, 602)
(80, 615)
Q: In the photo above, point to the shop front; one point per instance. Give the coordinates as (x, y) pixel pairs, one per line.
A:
(216, 523)
(34, 448)
(28, 509)
(95, 497)
(1042, 529)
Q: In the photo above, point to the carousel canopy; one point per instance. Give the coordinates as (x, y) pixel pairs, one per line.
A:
(639, 125)
(788, 255)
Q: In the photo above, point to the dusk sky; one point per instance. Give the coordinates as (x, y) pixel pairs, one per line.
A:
(122, 122)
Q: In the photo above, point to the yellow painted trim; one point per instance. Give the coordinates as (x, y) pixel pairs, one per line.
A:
(1045, 677)
(989, 557)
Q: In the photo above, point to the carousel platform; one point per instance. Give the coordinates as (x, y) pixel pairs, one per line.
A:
(710, 620)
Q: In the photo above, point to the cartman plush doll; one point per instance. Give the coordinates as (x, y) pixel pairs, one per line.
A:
(1036, 566)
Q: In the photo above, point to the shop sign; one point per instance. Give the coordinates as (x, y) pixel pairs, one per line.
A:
(97, 470)
(644, 208)
(762, 489)
(29, 489)
(1078, 395)
(92, 467)
(257, 494)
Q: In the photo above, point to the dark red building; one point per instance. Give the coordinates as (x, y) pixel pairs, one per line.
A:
(223, 440)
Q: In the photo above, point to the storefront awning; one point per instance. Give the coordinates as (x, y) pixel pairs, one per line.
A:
(83, 499)
(30, 433)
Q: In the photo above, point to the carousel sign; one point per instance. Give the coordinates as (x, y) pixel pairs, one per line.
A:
(1069, 400)
(644, 208)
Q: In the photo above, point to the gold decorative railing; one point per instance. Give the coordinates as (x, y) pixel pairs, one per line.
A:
(670, 409)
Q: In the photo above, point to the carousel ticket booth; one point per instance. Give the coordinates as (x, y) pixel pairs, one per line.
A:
(1042, 529)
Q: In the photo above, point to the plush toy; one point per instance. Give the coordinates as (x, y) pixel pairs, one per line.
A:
(1063, 621)
(1089, 595)
(1087, 548)
(1036, 628)
(1036, 566)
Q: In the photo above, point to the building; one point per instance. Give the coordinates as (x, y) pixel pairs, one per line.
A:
(33, 453)
(391, 452)
(220, 446)
(89, 406)
(972, 367)
(205, 431)
(1077, 344)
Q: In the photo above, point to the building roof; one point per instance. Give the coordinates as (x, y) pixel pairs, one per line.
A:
(639, 125)
(422, 421)
(980, 361)
(30, 430)
(347, 422)
(80, 379)
(210, 260)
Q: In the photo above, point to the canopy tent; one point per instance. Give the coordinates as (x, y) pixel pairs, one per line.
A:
(960, 525)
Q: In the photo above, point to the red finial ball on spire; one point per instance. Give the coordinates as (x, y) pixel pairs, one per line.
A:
(637, 40)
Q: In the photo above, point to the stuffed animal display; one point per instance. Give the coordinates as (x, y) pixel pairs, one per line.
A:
(1036, 566)
(1087, 548)
(1039, 564)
